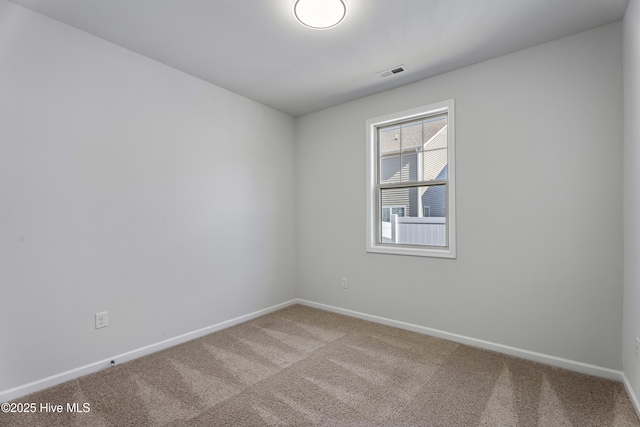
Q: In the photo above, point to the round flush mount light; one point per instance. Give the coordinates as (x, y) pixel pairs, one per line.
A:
(320, 14)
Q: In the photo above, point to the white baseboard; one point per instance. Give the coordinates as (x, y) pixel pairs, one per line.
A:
(546, 359)
(559, 362)
(632, 394)
(571, 365)
(23, 390)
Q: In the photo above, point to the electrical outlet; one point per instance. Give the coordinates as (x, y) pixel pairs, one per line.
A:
(637, 349)
(345, 283)
(102, 320)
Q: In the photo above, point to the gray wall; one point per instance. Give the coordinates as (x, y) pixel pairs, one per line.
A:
(116, 177)
(528, 276)
(631, 319)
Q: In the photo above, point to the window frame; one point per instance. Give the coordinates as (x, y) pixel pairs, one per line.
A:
(373, 189)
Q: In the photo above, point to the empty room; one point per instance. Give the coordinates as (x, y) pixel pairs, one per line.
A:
(320, 212)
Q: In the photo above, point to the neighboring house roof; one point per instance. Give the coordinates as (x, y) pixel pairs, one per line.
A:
(421, 161)
(412, 134)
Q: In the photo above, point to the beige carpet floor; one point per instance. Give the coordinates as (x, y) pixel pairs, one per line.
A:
(301, 367)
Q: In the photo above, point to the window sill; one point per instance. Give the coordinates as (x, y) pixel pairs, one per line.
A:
(412, 251)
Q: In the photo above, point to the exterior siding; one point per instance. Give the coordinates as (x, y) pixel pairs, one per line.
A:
(390, 171)
(433, 158)
(434, 198)
(397, 197)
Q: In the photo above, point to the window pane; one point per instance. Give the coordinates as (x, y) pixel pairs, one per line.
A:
(422, 220)
(389, 140)
(411, 135)
(396, 197)
(390, 170)
(413, 151)
(434, 150)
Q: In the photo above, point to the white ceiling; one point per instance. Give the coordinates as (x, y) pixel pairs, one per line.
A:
(257, 49)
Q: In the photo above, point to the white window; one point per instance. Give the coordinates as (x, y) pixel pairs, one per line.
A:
(411, 182)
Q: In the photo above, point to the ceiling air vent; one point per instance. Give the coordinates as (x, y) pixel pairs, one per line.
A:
(391, 71)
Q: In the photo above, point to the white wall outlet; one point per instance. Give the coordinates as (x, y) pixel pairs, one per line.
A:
(102, 320)
(637, 348)
(345, 283)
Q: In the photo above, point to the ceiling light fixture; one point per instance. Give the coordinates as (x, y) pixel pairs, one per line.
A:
(320, 14)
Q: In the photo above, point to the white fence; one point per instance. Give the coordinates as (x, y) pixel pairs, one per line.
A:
(429, 231)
